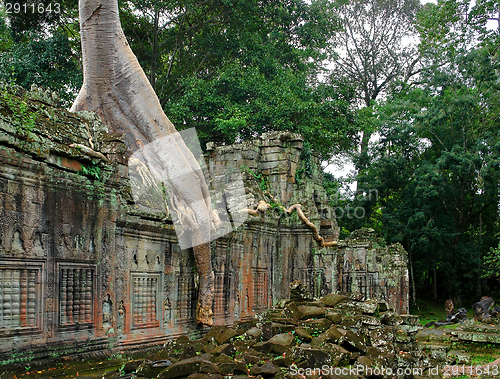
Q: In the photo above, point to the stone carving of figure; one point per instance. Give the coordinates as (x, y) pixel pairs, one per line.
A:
(167, 312)
(120, 323)
(107, 316)
(237, 306)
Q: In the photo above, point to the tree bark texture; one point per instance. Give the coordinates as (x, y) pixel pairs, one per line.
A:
(117, 89)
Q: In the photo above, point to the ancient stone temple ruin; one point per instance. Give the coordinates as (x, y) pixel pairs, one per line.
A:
(82, 268)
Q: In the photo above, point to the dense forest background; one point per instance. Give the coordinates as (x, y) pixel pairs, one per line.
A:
(409, 93)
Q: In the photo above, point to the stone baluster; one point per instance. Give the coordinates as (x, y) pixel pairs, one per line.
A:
(153, 298)
(64, 294)
(69, 303)
(16, 298)
(32, 274)
(76, 295)
(136, 300)
(23, 317)
(144, 297)
(88, 296)
(1, 296)
(7, 299)
(148, 299)
(81, 290)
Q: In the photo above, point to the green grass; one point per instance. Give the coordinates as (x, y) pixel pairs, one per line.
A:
(480, 353)
(428, 311)
(433, 311)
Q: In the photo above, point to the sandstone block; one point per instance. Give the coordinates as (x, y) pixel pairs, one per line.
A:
(307, 312)
(333, 299)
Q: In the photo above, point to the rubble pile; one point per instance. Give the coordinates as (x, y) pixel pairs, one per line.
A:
(337, 336)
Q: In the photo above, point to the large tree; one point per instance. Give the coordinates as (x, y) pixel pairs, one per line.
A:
(436, 169)
(375, 48)
(116, 88)
(236, 69)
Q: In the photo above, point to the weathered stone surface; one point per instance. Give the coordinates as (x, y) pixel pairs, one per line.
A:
(339, 356)
(227, 349)
(254, 332)
(152, 369)
(286, 361)
(292, 311)
(298, 293)
(250, 359)
(364, 361)
(233, 368)
(359, 321)
(410, 320)
(391, 318)
(457, 357)
(187, 367)
(382, 337)
(282, 328)
(334, 317)
(312, 357)
(303, 334)
(263, 347)
(222, 358)
(333, 334)
(307, 312)
(203, 376)
(281, 342)
(352, 295)
(226, 336)
(320, 340)
(131, 366)
(353, 342)
(266, 370)
(410, 329)
(318, 325)
(332, 299)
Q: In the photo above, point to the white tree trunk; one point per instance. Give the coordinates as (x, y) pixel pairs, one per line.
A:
(117, 89)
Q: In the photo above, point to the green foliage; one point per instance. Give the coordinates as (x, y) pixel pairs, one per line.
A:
(55, 14)
(492, 262)
(260, 177)
(232, 69)
(307, 165)
(92, 171)
(47, 62)
(6, 40)
(242, 100)
(23, 118)
(306, 156)
(240, 68)
(436, 170)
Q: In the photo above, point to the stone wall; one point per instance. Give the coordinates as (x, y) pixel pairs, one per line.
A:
(83, 269)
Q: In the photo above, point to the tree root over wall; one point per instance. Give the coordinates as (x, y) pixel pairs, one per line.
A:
(263, 206)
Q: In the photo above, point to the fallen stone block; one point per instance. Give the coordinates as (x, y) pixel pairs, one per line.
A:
(188, 367)
(292, 311)
(333, 334)
(312, 357)
(266, 370)
(303, 334)
(353, 342)
(332, 299)
(307, 312)
(316, 325)
(227, 349)
(254, 332)
(281, 342)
